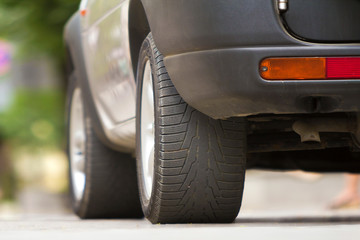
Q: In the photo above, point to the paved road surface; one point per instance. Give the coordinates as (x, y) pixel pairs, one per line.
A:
(254, 228)
(276, 206)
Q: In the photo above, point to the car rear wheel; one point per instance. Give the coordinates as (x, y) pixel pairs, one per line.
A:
(190, 167)
(103, 182)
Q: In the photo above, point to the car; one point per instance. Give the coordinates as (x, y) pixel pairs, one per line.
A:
(170, 102)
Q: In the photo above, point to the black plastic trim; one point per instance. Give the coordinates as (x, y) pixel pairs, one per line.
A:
(212, 53)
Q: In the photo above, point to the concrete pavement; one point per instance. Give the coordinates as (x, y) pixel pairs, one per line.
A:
(69, 227)
(276, 206)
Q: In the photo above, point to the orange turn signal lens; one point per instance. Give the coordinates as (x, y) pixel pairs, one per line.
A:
(293, 68)
(83, 12)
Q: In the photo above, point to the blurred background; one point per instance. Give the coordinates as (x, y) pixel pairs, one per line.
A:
(33, 165)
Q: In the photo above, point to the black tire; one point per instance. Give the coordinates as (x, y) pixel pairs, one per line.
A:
(111, 189)
(199, 165)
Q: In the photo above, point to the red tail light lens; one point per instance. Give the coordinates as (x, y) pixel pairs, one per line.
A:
(343, 68)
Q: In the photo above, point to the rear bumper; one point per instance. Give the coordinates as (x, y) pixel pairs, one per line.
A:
(213, 50)
(225, 83)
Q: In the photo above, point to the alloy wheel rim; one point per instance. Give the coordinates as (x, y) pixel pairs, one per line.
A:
(77, 145)
(147, 130)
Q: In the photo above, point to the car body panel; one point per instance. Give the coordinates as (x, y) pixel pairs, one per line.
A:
(211, 24)
(96, 10)
(106, 50)
(212, 56)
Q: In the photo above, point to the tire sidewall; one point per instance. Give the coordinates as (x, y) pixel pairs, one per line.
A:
(77, 205)
(146, 54)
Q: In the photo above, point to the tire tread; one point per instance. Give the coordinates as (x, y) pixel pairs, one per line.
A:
(202, 161)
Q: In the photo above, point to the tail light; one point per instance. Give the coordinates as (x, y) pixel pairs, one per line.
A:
(310, 68)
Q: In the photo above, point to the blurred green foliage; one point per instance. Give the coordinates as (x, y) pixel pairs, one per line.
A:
(8, 185)
(35, 119)
(36, 25)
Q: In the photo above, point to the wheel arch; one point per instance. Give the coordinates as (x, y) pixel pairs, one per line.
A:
(70, 36)
(139, 28)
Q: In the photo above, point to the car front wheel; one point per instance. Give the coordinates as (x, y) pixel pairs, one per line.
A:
(103, 182)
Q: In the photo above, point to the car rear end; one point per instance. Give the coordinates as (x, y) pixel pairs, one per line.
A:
(279, 63)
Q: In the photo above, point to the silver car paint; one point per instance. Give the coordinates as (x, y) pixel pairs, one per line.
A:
(96, 10)
(106, 47)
